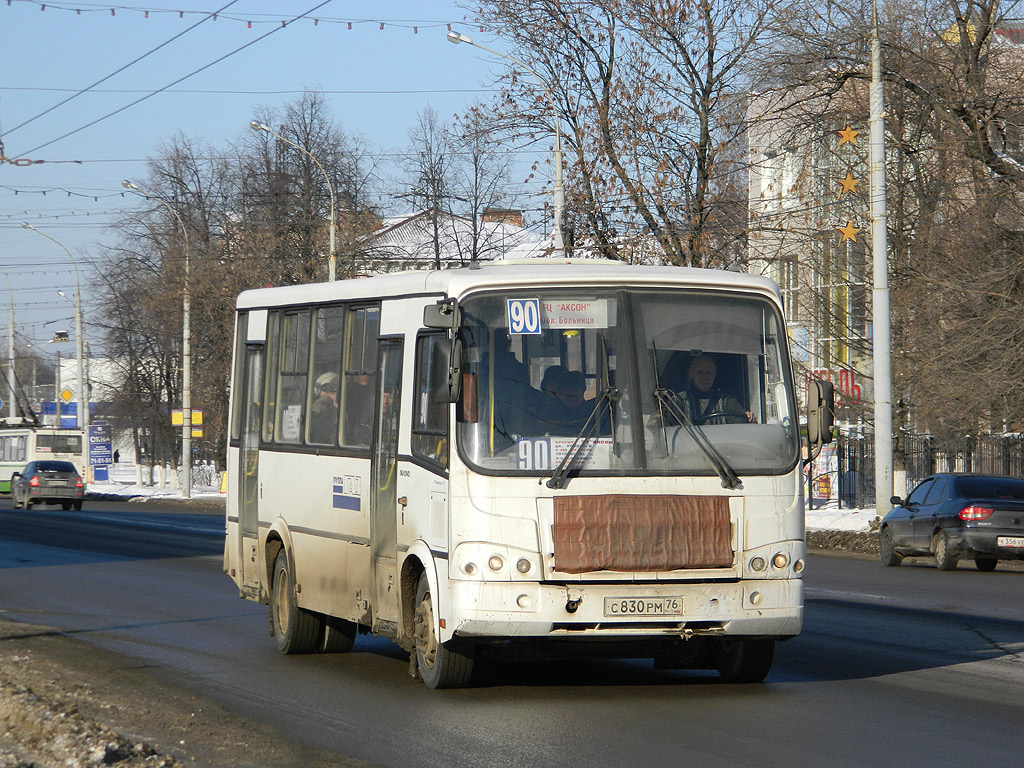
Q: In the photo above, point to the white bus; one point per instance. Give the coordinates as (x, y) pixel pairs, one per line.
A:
(21, 444)
(519, 466)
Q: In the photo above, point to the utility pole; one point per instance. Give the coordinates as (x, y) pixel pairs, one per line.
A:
(881, 341)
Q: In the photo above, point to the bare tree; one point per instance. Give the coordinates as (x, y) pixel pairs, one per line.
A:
(954, 108)
(650, 96)
(287, 198)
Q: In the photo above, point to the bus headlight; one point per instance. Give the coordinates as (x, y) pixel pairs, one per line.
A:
(781, 560)
(469, 568)
(523, 565)
(495, 563)
(758, 564)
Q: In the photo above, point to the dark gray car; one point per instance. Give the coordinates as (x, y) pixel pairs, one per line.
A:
(47, 482)
(949, 516)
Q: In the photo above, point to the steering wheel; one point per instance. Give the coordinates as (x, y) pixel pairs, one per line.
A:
(741, 415)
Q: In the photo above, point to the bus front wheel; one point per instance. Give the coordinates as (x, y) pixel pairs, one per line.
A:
(441, 665)
(296, 630)
(745, 661)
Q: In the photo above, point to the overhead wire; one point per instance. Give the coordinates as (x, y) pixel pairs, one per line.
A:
(134, 61)
(149, 95)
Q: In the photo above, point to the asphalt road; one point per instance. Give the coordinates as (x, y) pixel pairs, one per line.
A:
(907, 666)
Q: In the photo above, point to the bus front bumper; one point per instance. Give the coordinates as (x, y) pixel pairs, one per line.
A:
(766, 608)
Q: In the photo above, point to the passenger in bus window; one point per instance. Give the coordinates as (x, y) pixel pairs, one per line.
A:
(359, 410)
(704, 402)
(324, 412)
(561, 409)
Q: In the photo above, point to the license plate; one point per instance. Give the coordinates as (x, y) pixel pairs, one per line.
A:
(1010, 541)
(643, 606)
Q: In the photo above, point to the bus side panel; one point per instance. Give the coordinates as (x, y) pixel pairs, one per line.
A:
(323, 501)
(232, 566)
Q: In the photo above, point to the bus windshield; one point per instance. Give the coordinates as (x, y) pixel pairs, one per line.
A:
(625, 381)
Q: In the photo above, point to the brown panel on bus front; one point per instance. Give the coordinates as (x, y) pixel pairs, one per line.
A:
(641, 533)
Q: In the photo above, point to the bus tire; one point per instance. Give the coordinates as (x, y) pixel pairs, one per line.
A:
(295, 629)
(339, 635)
(441, 665)
(745, 661)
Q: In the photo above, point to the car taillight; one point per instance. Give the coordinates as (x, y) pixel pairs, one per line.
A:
(975, 513)
(79, 483)
(34, 482)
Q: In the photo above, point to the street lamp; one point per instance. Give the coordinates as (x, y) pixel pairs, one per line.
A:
(559, 192)
(83, 398)
(186, 347)
(332, 259)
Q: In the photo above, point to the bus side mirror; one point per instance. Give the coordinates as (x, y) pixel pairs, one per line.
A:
(444, 315)
(455, 372)
(446, 371)
(821, 408)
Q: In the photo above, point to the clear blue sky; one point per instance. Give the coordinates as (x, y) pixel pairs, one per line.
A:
(376, 80)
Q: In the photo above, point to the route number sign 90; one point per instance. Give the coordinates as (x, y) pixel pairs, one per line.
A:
(524, 316)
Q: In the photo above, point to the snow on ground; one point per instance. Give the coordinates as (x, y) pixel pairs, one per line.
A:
(831, 518)
(126, 480)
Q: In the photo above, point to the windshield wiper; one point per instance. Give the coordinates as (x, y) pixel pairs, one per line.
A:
(668, 399)
(592, 425)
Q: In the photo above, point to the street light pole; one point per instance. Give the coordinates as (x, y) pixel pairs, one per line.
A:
(559, 191)
(83, 387)
(186, 346)
(332, 259)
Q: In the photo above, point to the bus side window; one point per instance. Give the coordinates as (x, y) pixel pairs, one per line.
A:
(430, 417)
(293, 373)
(359, 377)
(271, 376)
(324, 395)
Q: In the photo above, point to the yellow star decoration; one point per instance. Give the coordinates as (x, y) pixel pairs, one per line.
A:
(848, 135)
(849, 184)
(849, 232)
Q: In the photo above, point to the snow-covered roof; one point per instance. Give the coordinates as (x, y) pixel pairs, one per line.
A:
(420, 240)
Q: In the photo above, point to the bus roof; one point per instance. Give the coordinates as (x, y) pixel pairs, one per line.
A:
(523, 273)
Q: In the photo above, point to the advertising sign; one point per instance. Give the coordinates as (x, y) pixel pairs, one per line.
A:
(100, 451)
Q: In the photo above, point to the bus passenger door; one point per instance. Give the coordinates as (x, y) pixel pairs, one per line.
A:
(384, 529)
(249, 464)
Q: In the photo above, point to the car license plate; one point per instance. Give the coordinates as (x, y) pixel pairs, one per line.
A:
(1010, 541)
(643, 606)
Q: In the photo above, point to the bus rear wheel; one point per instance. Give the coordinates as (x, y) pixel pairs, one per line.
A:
(339, 635)
(745, 661)
(441, 665)
(295, 629)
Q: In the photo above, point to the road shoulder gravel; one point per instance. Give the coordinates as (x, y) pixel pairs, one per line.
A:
(66, 704)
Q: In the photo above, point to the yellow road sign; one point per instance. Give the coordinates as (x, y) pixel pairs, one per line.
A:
(177, 418)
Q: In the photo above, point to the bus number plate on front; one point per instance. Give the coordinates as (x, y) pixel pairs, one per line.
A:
(1010, 541)
(643, 606)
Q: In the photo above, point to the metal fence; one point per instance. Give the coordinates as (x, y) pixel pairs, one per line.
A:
(921, 455)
